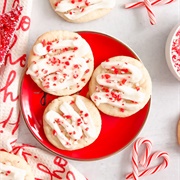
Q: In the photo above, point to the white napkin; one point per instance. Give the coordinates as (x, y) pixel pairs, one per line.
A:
(45, 166)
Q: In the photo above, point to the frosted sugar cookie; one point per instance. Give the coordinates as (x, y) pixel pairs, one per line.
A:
(60, 62)
(14, 167)
(120, 86)
(79, 11)
(71, 122)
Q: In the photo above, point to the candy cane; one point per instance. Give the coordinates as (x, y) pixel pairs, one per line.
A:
(155, 169)
(141, 3)
(146, 160)
(134, 5)
(143, 159)
(150, 12)
(161, 166)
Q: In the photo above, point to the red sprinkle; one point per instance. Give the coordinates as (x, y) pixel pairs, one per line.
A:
(54, 78)
(56, 4)
(67, 63)
(72, 102)
(116, 71)
(107, 76)
(48, 48)
(137, 88)
(68, 116)
(75, 76)
(7, 173)
(124, 70)
(54, 132)
(123, 81)
(121, 109)
(43, 42)
(87, 71)
(86, 115)
(76, 66)
(96, 97)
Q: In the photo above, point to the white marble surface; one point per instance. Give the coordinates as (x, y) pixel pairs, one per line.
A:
(133, 28)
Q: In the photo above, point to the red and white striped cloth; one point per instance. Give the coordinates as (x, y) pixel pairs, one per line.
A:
(44, 165)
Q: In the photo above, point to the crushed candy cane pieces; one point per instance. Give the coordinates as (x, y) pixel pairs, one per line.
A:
(175, 51)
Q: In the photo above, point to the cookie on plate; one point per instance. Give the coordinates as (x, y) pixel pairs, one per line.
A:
(14, 167)
(60, 62)
(71, 122)
(82, 11)
(120, 86)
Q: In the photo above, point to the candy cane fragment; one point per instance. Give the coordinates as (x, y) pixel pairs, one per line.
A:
(157, 168)
(135, 161)
(141, 3)
(150, 12)
(134, 5)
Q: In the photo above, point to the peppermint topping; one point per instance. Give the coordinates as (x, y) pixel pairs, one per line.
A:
(8, 24)
(74, 9)
(175, 51)
(72, 124)
(118, 86)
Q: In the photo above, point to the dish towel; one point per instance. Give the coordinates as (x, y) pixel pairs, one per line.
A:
(45, 166)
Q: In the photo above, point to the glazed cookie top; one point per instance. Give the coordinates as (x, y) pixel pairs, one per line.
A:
(77, 9)
(61, 62)
(14, 167)
(71, 119)
(121, 82)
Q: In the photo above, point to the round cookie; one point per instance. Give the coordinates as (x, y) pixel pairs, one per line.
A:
(120, 86)
(60, 62)
(14, 167)
(71, 122)
(82, 11)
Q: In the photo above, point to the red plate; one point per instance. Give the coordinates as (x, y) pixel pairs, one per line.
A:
(116, 133)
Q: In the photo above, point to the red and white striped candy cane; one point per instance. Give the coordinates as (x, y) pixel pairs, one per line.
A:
(146, 159)
(151, 15)
(135, 160)
(141, 3)
(161, 166)
(152, 170)
(134, 5)
(162, 2)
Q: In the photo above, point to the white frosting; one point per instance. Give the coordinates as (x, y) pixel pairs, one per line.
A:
(78, 9)
(8, 172)
(74, 123)
(62, 64)
(135, 75)
(119, 89)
